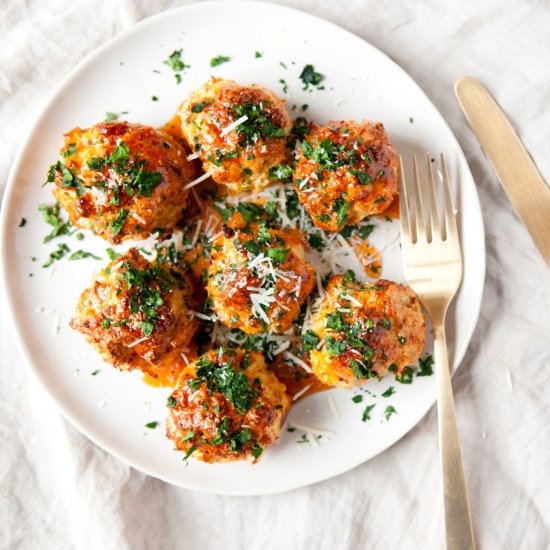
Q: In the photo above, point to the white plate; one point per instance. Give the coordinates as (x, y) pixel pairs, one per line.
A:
(112, 408)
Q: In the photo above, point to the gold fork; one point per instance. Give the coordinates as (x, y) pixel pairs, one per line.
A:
(433, 269)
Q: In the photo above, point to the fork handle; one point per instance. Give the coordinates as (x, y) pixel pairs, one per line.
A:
(458, 522)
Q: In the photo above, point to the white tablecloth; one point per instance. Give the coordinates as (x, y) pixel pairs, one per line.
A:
(60, 491)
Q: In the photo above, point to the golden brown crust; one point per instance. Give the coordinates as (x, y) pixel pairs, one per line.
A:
(259, 286)
(227, 406)
(136, 314)
(241, 157)
(345, 171)
(366, 330)
(122, 180)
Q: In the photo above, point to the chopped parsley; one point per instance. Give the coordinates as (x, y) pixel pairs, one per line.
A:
(280, 172)
(366, 413)
(152, 425)
(278, 254)
(171, 402)
(389, 412)
(112, 254)
(82, 254)
(189, 452)
(175, 61)
(357, 398)
(109, 117)
(199, 107)
(389, 392)
(226, 379)
(118, 223)
(219, 60)
(310, 340)
(258, 124)
(406, 375)
(426, 366)
(258, 54)
(51, 217)
(61, 251)
(341, 207)
(310, 77)
(189, 435)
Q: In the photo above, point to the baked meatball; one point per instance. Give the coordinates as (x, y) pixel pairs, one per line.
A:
(366, 330)
(122, 180)
(258, 278)
(227, 406)
(136, 313)
(344, 172)
(238, 132)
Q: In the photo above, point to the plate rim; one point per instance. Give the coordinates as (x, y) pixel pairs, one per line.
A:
(10, 190)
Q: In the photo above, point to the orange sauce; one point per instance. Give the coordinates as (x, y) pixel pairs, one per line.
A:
(393, 209)
(370, 257)
(173, 127)
(295, 378)
(166, 374)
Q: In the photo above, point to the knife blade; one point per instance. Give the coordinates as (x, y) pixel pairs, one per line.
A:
(514, 168)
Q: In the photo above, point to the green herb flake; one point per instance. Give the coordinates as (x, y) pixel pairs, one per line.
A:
(189, 452)
(82, 254)
(116, 225)
(171, 402)
(366, 413)
(389, 412)
(51, 217)
(61, 251)
(152, 425)
(199, 107)
(113, 255)
(95, 372)
(357, 398)
(310, 77)
(389, 392)
(189, 435)
(219, 60)
(426, 366)
(109, 117)
(310, 340)
(258, 54)
(175, 62)
(278, 255)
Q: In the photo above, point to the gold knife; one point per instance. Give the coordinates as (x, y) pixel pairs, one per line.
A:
(517, 173)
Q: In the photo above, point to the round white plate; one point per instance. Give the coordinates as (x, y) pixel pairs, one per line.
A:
(112, 408)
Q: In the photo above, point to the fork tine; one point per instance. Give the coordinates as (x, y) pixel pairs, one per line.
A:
(434, 212)
(406, 232)
(419, 207)
(449, 225)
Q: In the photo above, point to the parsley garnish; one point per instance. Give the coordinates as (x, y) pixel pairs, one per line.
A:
(218, 60)
(357, 398)
(51, 217)
(199, 107)
(341, 206)
(112, 254)
(109, 117)
(366, 412)
(152, 425)
(389, 392)
(171, 402)
(310, 340)
(389, 411)
(116, 225)
(426, 366)
(175, 62)
(189, 452)
(278, 255)
(310, 77)
(406, 375)
(62, 250)
(81, 254)
(335, 347)
(258, 124)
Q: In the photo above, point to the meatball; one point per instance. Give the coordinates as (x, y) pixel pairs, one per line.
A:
(137, 314)
(238, 132)
(122, 180)
(258, 278)
(344, 172)
(227, 406)
(366, 330)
